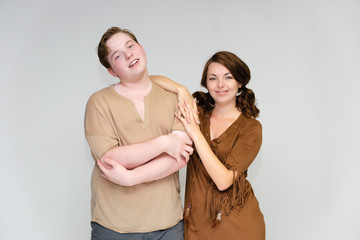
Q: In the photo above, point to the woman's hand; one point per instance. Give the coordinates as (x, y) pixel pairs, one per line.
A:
(185, 98)
(189, 117)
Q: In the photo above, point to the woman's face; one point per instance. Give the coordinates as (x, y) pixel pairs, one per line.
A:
(221, 84)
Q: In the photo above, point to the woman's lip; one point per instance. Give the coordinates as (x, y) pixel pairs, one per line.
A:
(221, 92)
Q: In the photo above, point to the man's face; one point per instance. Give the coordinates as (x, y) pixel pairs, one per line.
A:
(126, 57)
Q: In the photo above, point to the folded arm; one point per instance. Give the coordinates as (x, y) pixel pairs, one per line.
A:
(158, 168)
(131, 156)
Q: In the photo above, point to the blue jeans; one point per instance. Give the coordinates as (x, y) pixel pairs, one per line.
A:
(99, 232)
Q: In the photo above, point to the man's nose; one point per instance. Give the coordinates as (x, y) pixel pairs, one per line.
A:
(128, 54)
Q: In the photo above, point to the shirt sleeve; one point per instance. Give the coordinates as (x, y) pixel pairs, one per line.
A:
(99, 128)
(177, 124)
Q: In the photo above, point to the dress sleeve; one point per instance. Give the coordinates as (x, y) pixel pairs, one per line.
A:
(246, 147)
(99, 128)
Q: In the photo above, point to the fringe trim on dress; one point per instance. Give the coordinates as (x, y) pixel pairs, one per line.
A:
(222, 202)
(187, 218)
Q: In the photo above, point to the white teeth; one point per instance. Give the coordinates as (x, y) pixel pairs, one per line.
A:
(132, 64)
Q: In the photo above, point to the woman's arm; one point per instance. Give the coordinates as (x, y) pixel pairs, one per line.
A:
(172, 86)
(182, 92)
(222, 177)
(169, 84)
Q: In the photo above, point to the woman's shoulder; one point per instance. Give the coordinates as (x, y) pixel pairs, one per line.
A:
(250, 123)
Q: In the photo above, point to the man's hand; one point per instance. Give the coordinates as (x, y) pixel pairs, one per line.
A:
(114, 172)
(179, 146)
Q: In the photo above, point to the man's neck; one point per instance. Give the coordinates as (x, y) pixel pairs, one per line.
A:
(134, 88)
(136, 91)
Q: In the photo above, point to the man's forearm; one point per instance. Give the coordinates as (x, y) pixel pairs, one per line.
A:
(160, 167)
(163, 165)
(177, 145)
(134, 155)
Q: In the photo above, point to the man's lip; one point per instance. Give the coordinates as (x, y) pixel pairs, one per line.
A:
(133, 62)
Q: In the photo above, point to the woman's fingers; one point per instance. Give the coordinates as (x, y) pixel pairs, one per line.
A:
(196, 112)
(182, 110)
(193, 116)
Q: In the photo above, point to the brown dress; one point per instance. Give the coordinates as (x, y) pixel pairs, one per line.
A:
(233, 213)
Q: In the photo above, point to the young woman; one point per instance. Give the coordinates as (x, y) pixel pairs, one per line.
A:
(219, 200)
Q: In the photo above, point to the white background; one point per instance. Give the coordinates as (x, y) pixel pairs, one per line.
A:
(304, 57)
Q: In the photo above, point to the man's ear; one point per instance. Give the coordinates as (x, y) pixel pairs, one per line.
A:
(112, 72)
(142, 48)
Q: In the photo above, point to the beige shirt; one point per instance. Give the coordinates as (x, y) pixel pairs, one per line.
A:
(112, 120)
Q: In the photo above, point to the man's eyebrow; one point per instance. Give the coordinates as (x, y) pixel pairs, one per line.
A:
(131, 40)
(112, 55)
(118, 50)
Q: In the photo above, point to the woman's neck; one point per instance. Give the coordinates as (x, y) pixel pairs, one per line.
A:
(225, 111)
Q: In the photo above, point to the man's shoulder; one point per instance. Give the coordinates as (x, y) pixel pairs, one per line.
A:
(101, 93)
(159, 90)
(100, 97)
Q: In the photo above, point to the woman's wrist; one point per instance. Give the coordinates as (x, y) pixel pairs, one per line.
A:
(182, 90)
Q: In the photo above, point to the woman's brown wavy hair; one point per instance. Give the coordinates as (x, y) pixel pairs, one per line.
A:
(240, 71)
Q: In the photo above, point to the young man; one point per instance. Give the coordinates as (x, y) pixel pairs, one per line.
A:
(139, 147)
